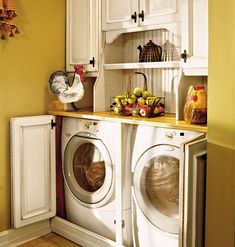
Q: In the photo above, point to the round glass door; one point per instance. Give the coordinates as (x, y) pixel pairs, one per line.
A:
(156, 186)
(88, 169)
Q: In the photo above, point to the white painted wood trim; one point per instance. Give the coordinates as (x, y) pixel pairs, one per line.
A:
(156, 65)
(173, 27)
(15, 237)
(195, 71)
(119, 188)
(80, 235)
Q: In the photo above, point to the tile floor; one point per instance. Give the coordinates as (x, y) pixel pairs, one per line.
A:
(50, 240)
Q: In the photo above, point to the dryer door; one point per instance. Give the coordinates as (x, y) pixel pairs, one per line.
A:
(156, 186)
(88, 170)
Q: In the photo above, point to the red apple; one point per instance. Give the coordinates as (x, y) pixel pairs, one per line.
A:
(144, 111)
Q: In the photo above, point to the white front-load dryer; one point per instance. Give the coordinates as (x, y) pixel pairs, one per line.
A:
(155, 187)
(91, 153)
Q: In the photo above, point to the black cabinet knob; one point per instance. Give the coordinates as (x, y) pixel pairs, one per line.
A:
(184, 55)
(92, 62)
(134, 17)
(141, 15)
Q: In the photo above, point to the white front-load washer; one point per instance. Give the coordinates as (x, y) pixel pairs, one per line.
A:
(90, 154)
(155, 187)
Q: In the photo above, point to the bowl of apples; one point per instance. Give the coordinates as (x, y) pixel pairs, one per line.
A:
(138, 103)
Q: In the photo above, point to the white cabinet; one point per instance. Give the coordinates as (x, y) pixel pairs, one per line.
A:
(138, 15)
(33, 169)
(82, 34)
(194, 25)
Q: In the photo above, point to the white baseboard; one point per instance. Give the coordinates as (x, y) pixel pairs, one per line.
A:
(80, 235)
(15, 237)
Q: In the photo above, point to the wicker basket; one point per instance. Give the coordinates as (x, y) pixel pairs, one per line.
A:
(136, 105)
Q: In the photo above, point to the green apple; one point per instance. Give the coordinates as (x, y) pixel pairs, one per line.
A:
(131, 100)
(117, 109)
(138, 91)
(124, 102)
(146, 94)
(150, 101)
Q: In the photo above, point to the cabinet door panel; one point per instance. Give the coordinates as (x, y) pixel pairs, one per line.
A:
(200, 28)
(33, 169)
(159, 12)
(82, 33)
(192, 209)
(117, 14)
(194, 37)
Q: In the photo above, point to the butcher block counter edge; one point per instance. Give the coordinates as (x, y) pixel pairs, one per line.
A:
(167, 121)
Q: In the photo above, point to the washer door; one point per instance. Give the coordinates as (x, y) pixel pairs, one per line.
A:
(88, 170)
(156, 186)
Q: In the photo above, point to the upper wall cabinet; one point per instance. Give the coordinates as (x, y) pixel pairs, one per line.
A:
(82, 34)
(138, 15)
(194, 36)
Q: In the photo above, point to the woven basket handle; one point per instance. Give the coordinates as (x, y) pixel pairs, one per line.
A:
(129, 82)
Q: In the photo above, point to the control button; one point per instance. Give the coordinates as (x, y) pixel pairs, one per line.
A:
(169, 135)
(88, 125)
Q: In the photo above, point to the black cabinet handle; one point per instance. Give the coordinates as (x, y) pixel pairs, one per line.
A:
(92, 62)
(141, 15)
(184, 55)
(134, 17)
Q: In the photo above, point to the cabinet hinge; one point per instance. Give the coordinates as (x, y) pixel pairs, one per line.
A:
(92, 61)
(53, 124)
(123, 223)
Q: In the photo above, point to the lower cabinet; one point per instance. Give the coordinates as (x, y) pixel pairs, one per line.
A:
(33, 169)
(34, 176)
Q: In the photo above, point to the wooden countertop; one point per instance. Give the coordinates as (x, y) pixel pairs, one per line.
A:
(167, 121)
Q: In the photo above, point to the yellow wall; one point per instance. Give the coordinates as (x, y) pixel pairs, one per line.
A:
(221, 125)
(26, 62)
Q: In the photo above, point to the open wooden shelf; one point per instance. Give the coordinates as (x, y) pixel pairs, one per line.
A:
(146, 65)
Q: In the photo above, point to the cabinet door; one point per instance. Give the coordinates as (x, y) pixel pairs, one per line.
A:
(118, 14)
(192, 202)
(195, 35)
(33, 169)
(158, 12)
(82, 34)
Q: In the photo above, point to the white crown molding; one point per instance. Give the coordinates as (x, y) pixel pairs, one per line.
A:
(14, 237)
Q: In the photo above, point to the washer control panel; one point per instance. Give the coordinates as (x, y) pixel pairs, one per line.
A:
(90, 124)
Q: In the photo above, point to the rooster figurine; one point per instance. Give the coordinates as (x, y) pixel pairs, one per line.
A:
(59, 84)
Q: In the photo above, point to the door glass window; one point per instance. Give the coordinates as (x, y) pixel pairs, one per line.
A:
(162, 184)
(89, 167)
